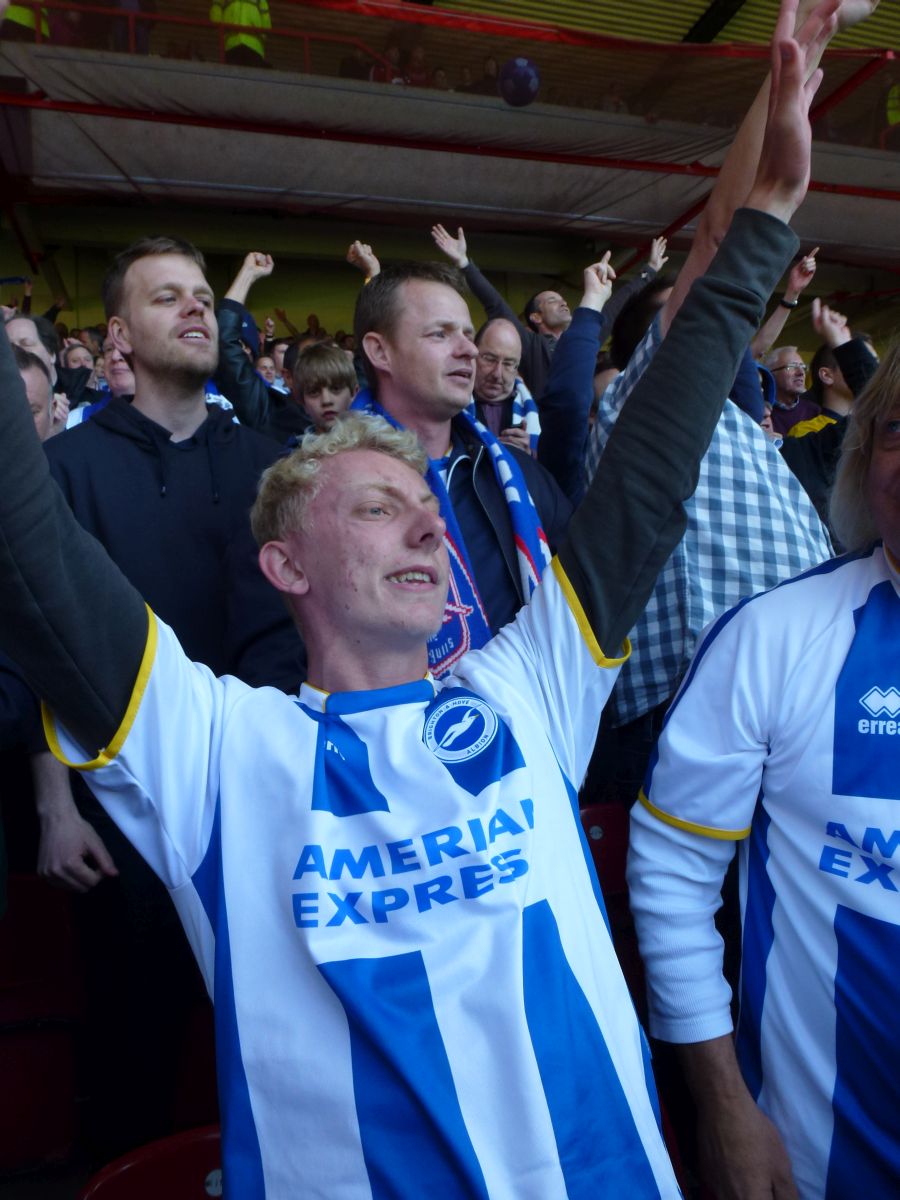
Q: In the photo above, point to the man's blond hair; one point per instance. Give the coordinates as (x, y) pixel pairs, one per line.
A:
(288, 486)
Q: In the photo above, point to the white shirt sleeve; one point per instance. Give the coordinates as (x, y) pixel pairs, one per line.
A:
(159, 776)
(697, 803)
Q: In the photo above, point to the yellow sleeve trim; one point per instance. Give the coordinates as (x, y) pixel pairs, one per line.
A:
(722, 835)
(106, 756)
(583, 623)
(813, 425)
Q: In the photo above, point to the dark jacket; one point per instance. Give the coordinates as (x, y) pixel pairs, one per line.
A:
(566, 403)
(483, 516)
(813, 453)
(173, 517)
(236, 377)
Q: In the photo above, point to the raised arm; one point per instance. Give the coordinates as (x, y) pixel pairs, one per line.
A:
(632, 516)
(363, 257)
(566, 402)
(235, 376)
(736, 176)
(801, 276)
(482, 289)
(68, 617)
(623, 293)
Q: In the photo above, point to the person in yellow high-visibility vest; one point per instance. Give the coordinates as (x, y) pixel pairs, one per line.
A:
(20, 23)
(244, 47)
(891, 137)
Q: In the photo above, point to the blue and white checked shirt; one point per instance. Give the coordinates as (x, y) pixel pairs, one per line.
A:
(750, 525)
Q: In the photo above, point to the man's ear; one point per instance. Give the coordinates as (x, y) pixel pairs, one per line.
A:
(280, 566)
(534, 319)
(119, 335)
(376, 350)
(826, 375)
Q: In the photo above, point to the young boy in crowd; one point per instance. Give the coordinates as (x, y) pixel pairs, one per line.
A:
(324, 383)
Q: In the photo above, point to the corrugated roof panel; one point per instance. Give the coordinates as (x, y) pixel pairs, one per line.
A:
(649, 20)
(665, 21)
(755, 21)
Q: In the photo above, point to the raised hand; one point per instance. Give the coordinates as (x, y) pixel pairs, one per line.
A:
(59, 413)
(831, 326)
(801, 275)
(269, 327)
(784, 164)
(598, 280)
(363, 257)
(454, 247)
(258, 265)
(658, 258)
(851, 12)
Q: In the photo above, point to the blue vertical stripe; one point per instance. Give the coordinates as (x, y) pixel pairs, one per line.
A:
(600, 1149)
(868, 764)
(758, 935)
(242, 1170)
(414, 1139)
(865, 1149)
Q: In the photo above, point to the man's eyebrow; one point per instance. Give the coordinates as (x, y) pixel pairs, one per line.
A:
(449, 323)
(202, 289)
(396, 493)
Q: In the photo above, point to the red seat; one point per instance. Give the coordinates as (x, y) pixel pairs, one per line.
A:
(187, 1166)
(606, 829)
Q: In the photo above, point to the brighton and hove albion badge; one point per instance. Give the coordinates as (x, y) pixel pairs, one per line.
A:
(459, 728)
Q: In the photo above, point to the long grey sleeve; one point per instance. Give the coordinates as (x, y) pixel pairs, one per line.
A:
(632, 516)
(492, 302)
(68, 617)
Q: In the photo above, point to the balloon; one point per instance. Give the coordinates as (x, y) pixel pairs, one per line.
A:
(518, 81)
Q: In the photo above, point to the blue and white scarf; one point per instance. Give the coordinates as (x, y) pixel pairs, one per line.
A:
(465, 625)
(524, 411)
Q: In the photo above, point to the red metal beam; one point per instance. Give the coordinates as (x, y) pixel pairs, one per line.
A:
(849, 86)
(673, 227)
(45, 104)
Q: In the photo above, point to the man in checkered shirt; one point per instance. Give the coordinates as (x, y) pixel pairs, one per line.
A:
(750, 525)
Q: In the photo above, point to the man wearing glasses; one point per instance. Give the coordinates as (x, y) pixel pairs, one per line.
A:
(502, 402)
(792, 404)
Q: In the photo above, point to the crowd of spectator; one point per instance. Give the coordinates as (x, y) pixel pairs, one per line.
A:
(589, 517)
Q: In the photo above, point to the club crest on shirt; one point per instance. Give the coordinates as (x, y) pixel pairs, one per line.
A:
(460, 728)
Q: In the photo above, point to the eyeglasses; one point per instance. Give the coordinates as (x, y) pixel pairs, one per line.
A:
(491, 360)
(791, 367)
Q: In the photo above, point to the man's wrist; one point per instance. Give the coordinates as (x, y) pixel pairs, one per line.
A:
(788, 301)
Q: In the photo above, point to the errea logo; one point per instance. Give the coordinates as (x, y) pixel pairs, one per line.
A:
(884, 707)
(880, 703)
